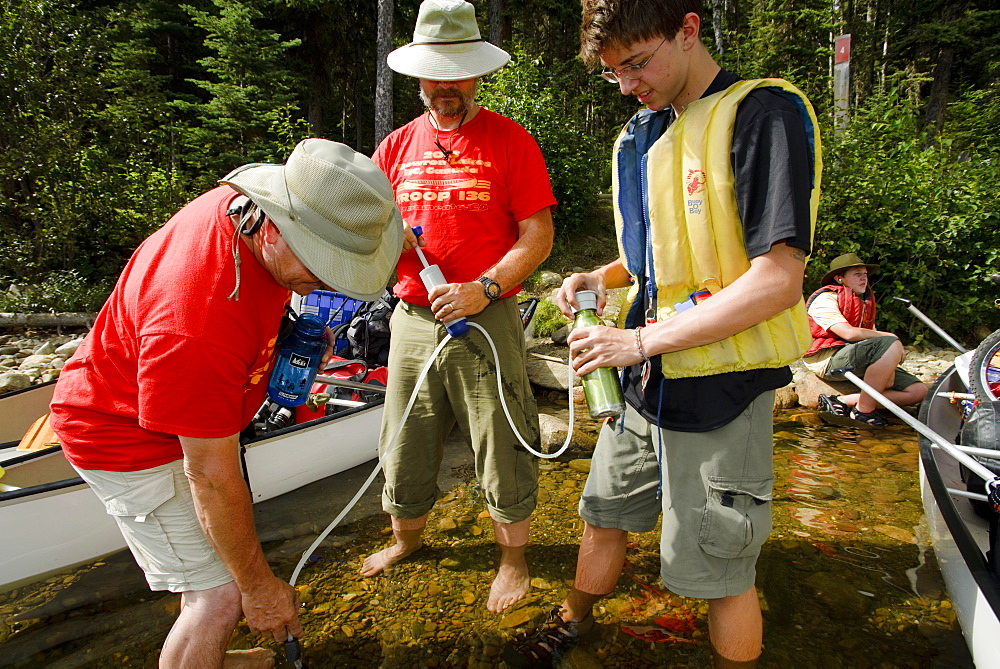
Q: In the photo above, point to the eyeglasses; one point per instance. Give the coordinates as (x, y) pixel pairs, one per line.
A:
(630, 71)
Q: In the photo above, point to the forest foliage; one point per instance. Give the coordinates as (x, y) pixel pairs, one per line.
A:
(119, 111)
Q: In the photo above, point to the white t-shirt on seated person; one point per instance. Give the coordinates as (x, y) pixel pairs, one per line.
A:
(826, 312)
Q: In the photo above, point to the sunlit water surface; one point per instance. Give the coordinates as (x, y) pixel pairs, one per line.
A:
(846, 579)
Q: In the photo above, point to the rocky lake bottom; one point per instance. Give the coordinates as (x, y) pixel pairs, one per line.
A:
(845, 580)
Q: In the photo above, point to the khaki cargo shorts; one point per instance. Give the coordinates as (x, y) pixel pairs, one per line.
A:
(715, 497)
(155, 512)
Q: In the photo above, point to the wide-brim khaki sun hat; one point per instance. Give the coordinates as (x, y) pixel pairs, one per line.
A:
(447, 45)
(843, 262)
(335, 209)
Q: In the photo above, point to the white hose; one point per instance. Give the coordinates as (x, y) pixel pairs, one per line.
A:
(399, 427)
(503, 403)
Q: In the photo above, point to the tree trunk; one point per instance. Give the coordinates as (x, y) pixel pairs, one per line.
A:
(496, 23)
(383, 75)
(718, 10)
(938, 99)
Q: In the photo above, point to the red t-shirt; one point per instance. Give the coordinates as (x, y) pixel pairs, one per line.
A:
(468, 204)
(169, 354)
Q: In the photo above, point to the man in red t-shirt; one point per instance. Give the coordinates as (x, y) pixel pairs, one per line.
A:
(477, 185)
(150, 407)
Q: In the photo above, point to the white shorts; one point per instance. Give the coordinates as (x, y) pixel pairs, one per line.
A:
(155, 512)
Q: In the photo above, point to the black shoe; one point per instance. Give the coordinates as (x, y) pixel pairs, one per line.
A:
(541, 646)
(873, 418)
(832, 404)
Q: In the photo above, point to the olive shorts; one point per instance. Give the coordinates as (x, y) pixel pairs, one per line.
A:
(155, 512)
(461, 387)
(860, 355)
(716, 496)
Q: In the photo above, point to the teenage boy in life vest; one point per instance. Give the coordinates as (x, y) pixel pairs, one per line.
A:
(842, 321)
(716, 188)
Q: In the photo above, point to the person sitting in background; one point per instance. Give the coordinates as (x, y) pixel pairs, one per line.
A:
(842, 320)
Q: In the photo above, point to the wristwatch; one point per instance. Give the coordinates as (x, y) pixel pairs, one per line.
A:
(491, 288)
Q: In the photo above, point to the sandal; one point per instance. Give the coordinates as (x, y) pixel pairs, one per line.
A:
(545, 643)
(873, 418)
(832, 404)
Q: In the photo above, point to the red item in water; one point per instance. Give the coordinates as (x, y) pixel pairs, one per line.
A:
(654, 635)
(826, 549)
(679, 624)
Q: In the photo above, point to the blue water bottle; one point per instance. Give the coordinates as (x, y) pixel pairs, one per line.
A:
(298, 361)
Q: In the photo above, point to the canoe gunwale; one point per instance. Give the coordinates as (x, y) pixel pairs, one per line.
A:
(41, 489)
(267, 436)
(28, 389)
(258, 440)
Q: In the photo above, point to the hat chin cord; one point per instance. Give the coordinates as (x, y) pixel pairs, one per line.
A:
(437, 134)
(247, 227)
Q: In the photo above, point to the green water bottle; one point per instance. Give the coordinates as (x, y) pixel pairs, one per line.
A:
(601, 386)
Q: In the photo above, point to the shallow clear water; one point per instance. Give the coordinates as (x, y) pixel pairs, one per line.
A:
(846, 579)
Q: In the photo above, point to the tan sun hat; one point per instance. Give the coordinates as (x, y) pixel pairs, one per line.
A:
(843, 262)
(447, 45)
(335, 209)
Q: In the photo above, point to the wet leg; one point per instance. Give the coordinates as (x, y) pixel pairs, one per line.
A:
(202, 631)
(736, 629)
(406, 532)
(598, 566)
(512, 581)
(599, 563)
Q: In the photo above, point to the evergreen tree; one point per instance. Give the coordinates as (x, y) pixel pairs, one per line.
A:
(251, 111)
(73, 157)
(784, 38)
(383, 76)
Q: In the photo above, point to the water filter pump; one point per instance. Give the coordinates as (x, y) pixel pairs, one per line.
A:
(432, 277)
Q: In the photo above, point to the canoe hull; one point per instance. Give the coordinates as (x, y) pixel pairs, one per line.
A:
(312, 451)
(51, 520)
(52, 527)
(960, 537)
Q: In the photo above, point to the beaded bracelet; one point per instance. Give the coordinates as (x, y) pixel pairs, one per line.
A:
(638, 344)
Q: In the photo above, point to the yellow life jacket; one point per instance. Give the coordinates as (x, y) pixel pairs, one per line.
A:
(695, 232)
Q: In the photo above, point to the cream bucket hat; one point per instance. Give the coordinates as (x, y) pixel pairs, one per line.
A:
(446, 45)
(335, 209)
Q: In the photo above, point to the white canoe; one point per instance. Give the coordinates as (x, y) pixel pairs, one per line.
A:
(960, 536)
(50, 520)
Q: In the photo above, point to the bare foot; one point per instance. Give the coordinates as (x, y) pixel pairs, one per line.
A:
(376, 562)
(255, 658)
(510, 585)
